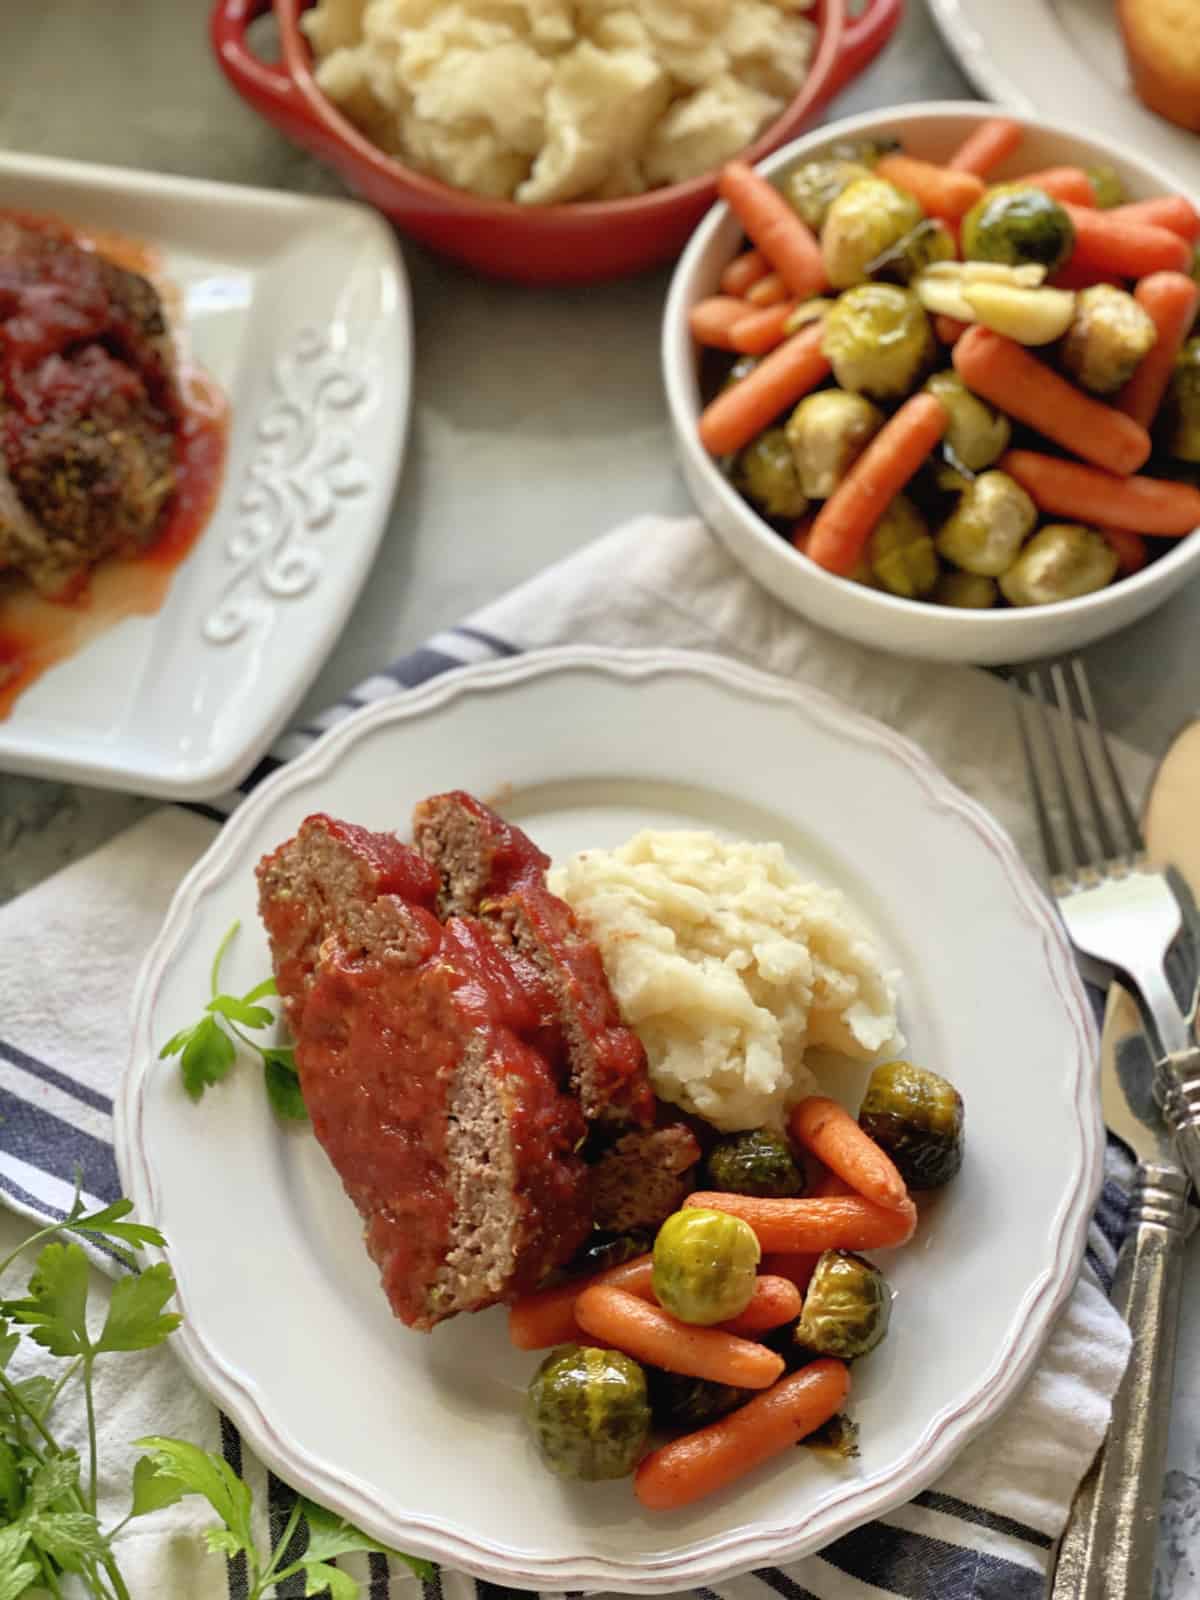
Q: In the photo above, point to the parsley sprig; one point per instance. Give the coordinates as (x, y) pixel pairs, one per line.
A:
(51, 1538)
(208, 1049)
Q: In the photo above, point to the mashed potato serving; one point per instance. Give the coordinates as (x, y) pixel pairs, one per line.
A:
(542, 101)
(730, 966)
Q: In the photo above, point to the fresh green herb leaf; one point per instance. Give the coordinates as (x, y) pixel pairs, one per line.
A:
(214, 977)
(207, 1057)
(34, 1393)
(67, 1534)
(330, 1535)
(57, 1476)
(16, 1576)
(12, 1491)
(283, 1088)
(261, 991)
(134, 1321)
(110, 1224)
(318, 1577)
(200, 1472)
(223, 1543)
(176, 1042)
(151, 1490)
(8, 1343)
(228, 1005)
(56, 1307)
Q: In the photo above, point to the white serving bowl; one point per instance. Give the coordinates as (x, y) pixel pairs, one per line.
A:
(904, 627)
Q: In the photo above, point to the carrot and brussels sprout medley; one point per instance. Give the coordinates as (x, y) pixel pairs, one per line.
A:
(969, 393)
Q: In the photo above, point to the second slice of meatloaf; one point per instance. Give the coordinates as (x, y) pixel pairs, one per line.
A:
(489, 867)
(328, 878)
(446, 1128)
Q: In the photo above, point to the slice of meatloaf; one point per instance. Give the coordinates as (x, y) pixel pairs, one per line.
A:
(477, 853)
(644, 1177)
(491, 868)
(328, 878)
(445, 1126)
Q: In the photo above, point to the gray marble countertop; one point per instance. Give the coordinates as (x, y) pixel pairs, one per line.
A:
(491, 492)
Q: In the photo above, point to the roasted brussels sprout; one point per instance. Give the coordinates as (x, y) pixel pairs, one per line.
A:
(1108, 336)
(901, 552)
(966, 591)
(868, 151)
(1183, 404)
(807, 311)
(765, 472)
(977, 434)
(1014, 224)
(836, 1440)
(861, 224)
(917, 1117)
(847, 1307)
(812, 188)
(759, 1162)
(1062, 561)
(1107, 187)
(928, 242)
(990, 524)
(878, 340)
(680, 1402)
(604, 1250)
(705, 1265)
(589, 1412)
(828, 431)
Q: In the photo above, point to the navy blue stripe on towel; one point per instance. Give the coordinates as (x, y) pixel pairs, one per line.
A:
(59, 1080)
(965, 1512)
(46, 1142)
(919, 1567)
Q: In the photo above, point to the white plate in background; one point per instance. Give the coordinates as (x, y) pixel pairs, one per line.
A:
(299, 308)
(419, 1438)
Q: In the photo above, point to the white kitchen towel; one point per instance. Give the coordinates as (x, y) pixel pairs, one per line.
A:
(69, 954)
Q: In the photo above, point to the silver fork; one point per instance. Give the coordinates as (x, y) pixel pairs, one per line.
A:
(1124, 920)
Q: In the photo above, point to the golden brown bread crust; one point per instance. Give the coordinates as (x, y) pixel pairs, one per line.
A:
(1162, 44)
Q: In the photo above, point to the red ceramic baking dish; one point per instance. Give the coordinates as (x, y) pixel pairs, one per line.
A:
(577, 243)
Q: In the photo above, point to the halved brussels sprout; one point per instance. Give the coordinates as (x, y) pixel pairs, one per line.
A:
(901, 552)
(604, 1250)
(759, 1162)
(1107, 187)
(812, 188)
(977, 434)
(808, 311)
(836, 1440)
(966, 591)
(765, 472)
(589, 1412)
(1062, 561)
(847, 1307)
(828, 431)
(911, 254)
(705, 1265)
(878, 340)
(1183, 404)
(681, 1402)
(1108, 336)
(1014, 223)
(917, 1117)
(990, 524)
(861, 224)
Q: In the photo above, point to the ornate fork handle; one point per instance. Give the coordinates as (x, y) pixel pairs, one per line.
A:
(1177, 1085)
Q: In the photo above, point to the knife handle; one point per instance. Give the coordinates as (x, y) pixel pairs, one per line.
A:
(1177, 1082)
(1109, 1548)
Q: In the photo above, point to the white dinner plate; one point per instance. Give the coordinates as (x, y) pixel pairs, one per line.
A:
(299, 308)
(419, 1438)
(1063, 59)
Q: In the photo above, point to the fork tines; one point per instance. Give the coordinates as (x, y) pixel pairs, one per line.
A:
(1087, 825)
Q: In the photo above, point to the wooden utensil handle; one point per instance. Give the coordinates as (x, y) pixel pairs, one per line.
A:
(1108, 1551)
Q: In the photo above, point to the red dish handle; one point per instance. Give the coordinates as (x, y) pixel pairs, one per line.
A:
(268, 87)
(863, 38)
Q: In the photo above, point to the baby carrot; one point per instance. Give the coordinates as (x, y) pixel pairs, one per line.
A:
(779, 380)
(1131, 549)
(834, 1137)
(743, 272)
(547, 1316)
(993, 141)
(949, 329)
(1170, 300)
(844, 523)
(756, 332)
(1171, 211)
(1062, 183)
(1004, 372)
(1072, 276)
(1066, 489)
(838, 1223)
(1105, 241)
(797, 1266)
(647, 1333)
(828, 1184)
(768, 291)
(712, 321)
(941, 191)
(775, 1300)
(787, 243)
(701, 1463)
